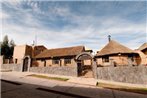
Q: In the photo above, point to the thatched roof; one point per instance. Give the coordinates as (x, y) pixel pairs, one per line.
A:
(143, 46)
(114, 47)
(61, 52)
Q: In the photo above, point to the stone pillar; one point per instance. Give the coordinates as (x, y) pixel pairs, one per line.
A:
(76, 66)
(21, 64)
(29, 63)
(94, 68)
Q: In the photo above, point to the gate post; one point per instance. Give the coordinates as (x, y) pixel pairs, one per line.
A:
(94, 67)
(29, 64)
(22, 62)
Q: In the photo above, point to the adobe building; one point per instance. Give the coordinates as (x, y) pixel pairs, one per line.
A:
(61, 56)
(22, 51)
(115, 54)
(70, 56)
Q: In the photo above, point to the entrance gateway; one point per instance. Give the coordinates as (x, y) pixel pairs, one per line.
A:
(26, 63)
(84, 64)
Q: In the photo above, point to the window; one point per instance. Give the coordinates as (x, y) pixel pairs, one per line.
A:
(42, 60)
(67, 61)
(55, 61)
(131, 57)
(105, 59)
(15, 61)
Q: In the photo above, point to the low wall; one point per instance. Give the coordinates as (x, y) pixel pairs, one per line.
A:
(63, 70)
(14, 67)
(128, 74)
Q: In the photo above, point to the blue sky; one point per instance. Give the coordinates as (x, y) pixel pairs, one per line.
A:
(63, 23)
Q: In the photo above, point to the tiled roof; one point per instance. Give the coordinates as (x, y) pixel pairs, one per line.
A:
(58, 52)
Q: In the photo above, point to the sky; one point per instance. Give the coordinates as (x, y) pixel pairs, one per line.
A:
(72, 23)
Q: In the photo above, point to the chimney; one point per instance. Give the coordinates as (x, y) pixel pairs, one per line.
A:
(109, 38)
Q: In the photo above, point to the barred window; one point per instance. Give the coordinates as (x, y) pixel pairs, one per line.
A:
(67, 61)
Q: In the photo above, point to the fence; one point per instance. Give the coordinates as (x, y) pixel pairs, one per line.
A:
(13, 67)
(61, 70)
(128, 74)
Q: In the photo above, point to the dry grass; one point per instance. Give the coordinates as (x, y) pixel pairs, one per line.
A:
(7, 70)
(47, 77)
(123, 88)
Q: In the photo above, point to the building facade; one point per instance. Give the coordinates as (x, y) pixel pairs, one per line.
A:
(21, 51)
(115, 54)
(59, 57)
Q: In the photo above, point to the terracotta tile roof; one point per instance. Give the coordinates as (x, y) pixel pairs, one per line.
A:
(142, 47)
(58, 52)
(114, 47)
(38, 49)
(40, 46)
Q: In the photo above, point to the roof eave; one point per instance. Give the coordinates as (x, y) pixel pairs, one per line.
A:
(114, 54)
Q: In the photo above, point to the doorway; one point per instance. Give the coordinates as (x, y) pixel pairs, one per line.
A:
(84, 65)
(25, 64)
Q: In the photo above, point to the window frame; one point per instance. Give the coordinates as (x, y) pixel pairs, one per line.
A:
(105, 59)
(131, 57)
(55, 61)
(67, 61)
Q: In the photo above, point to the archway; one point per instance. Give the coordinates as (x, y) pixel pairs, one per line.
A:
(26, 63)
(84, 64)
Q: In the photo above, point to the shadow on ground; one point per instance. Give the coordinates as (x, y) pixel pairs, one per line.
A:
(22, 90)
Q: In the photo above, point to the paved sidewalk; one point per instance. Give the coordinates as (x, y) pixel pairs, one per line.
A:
(78, 80)
(81, 87)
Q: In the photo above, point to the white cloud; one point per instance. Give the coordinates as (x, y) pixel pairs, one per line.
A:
(88, 30)
(3, 15)
(67, 36)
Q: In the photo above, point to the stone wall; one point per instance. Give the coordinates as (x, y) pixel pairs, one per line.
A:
(128, 74)
(63, 70)
(13, 67)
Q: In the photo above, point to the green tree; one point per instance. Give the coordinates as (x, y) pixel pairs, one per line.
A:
(7, 47)
(6, 40)
(11, 46)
